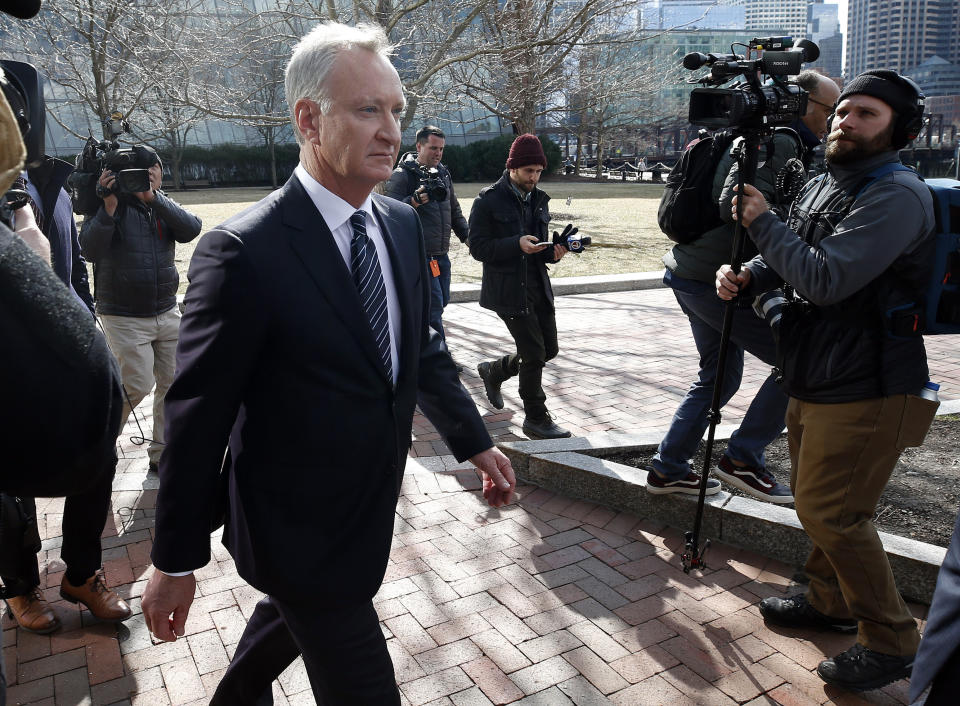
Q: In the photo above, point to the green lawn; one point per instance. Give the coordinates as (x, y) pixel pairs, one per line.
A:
(620, 217)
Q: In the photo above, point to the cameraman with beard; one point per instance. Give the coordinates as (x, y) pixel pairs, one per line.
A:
(130, 240)
(856, 247)
(437, 217)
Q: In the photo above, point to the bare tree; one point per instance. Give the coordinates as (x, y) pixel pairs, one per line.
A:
(617, 89)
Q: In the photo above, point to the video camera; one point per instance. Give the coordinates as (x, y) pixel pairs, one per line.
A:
(751, 104)
(108, 154)
(430, 179)
(22, 88)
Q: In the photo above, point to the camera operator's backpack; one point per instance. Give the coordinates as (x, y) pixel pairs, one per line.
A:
(687, 209)
(939, 312)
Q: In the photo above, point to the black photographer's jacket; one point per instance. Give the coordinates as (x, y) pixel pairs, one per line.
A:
(496, 225)
(853, 255)
(134, 272)
(436, 217)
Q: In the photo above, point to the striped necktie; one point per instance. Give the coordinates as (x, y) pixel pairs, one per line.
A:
(369, 280)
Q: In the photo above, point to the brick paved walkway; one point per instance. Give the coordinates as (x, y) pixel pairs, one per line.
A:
(549, 601)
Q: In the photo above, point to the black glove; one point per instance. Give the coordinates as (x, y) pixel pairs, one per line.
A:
(561, 238)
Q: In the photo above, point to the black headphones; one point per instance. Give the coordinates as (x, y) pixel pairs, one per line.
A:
(908, 124)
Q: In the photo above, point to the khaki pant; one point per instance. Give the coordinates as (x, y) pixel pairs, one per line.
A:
(842, 456)
(146, 349)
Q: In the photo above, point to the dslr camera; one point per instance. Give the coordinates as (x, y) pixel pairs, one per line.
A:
(430, 179)
(764, 98)
(108, 154)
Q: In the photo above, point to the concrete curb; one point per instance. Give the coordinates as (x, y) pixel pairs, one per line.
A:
(572, 467)
(469, 292)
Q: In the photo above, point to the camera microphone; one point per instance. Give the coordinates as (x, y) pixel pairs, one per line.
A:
(21, 9)
(694, 60)
(811, 52)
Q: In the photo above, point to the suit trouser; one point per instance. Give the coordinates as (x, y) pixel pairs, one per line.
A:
(145, 347)
(343, 649)
(842, 456)
(535, 335)
(84, 517)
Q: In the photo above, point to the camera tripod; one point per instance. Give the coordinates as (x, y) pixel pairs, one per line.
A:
(746, 153)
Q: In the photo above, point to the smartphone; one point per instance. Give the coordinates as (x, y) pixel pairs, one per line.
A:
(542, 243)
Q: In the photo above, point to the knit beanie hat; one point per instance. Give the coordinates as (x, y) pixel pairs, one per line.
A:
(526, 150)
(887, 86)
(145, 156)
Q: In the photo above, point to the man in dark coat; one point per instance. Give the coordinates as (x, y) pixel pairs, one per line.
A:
(938, 659)
(303, 352)
(509, 234)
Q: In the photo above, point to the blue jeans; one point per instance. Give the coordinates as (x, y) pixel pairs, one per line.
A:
(439, 292)
(764, 419)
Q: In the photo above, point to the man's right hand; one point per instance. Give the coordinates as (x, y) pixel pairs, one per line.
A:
(529, 244)
(166, 604)
(108, 182)
(729, 283)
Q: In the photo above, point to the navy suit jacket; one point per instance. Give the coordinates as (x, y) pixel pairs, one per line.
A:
(277, 362)
(942, 636)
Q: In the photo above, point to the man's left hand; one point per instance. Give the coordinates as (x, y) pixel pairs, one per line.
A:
(753, 204)
(499, 480)
(145, 196)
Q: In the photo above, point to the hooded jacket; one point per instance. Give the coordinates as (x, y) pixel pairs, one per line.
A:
(835, 345)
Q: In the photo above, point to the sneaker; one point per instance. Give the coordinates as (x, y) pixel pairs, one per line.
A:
(689, 484)
(94, 594)
(796, 612)
(758, 482)
(544, 428)
(862, 669)
(33, 613)
(491, 386)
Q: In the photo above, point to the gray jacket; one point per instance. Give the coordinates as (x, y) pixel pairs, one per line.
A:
(850, 271)
(436, 218)
(700, 259)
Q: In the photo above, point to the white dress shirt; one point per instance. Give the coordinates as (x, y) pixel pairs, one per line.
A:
(336, 214)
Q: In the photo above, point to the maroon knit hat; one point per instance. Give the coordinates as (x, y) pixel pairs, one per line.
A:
(526, 150)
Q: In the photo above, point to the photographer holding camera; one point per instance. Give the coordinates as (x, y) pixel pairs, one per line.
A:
(691, 271)
(857, 250)
(422, 181)
(130, 240)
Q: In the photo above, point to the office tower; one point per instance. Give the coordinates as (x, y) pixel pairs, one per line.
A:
(823, 27)
(900, 34)
(789, 16)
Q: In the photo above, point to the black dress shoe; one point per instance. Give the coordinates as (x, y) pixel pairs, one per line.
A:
(796, 612)
(491, 385)
(862, 669)
(543, 429)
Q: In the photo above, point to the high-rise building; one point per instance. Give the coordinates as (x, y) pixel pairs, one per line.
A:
(693, 14)
(900, 34)
(790, 16)
(823, 28)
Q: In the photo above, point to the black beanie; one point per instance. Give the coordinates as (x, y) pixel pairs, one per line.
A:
(886, 85)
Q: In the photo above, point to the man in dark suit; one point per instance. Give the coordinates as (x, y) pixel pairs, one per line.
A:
(303, 351)
(938, 659)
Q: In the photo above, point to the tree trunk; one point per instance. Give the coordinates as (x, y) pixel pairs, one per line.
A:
(272, 146)
(600, 148)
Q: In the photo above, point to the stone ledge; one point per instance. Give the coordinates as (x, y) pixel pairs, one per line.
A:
(470, 292)
(572, 467)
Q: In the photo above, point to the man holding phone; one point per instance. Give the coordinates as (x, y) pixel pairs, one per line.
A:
(509, 234)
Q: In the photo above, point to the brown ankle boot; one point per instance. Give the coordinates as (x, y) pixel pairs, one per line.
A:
(33, 613)
(102, 602)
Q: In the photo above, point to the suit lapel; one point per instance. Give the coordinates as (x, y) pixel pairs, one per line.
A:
(313, 243)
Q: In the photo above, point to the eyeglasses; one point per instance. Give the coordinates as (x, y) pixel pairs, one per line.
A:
(830, 108)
